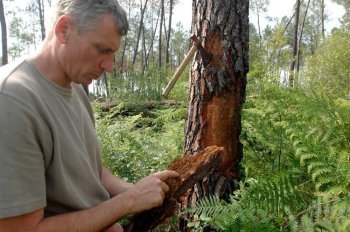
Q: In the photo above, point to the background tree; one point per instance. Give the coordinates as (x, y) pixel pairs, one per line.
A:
(3, 34)
(295, 44)
(160, 33)
(346, 16)
(167, 48)
(259, 7)
(41, 12)
(141, 28)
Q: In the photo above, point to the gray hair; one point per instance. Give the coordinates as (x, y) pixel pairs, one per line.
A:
(86, 13)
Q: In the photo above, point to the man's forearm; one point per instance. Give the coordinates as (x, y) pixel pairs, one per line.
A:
(113, 184)
(93, 219)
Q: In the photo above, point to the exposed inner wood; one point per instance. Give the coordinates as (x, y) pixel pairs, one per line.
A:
(192, 169)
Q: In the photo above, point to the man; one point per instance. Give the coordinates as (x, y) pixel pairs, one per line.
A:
(51, 176)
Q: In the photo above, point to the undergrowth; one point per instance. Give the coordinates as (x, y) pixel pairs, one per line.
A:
(137, 140)
(296, 165)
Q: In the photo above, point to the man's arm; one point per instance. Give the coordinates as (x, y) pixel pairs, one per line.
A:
(146, 194)
(113, 184)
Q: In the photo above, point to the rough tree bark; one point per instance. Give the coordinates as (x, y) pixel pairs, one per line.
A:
(191, 170)
(217, 90)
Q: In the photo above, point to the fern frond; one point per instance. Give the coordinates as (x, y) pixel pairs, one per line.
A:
(208, 206)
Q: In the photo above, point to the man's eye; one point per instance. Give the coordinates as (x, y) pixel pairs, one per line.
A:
(102, 50)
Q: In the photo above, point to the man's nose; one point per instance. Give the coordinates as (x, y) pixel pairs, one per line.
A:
(107, 63)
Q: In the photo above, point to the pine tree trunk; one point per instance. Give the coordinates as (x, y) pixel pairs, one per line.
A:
(300, 38)
(3, 34)
(41, 18)
(122, 64)
(160, 34)
(217, 90)
(295, 44)
(167, 55)
(141, 26)
(322, 18)
(150, 49)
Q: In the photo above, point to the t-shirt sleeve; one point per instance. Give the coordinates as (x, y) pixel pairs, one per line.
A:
(22, 163)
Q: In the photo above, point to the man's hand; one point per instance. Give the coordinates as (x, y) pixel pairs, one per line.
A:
(115, 228)
(150, 191)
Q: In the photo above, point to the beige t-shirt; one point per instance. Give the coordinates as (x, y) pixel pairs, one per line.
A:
(49, 152)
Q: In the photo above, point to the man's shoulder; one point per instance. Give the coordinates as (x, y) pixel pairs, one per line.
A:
(8, 70)
(17, 84)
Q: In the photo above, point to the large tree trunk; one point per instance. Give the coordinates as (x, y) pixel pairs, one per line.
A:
(3, 34)
(217, 90)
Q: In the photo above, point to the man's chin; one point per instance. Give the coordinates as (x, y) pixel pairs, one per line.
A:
(86, 81)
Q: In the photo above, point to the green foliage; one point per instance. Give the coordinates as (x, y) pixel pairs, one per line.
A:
(323, 214)
(229, 216)
(296, 165)
(329, 69)
(148, 86)
(138, 86)
(137, 139)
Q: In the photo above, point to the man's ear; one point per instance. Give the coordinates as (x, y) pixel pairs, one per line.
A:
(63, 28)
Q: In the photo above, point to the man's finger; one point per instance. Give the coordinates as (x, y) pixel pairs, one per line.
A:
(165, 187)
(163, 175)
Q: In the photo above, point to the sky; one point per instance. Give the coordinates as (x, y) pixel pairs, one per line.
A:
(277, 9)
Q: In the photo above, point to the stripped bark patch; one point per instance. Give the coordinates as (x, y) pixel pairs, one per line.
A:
(192, 168)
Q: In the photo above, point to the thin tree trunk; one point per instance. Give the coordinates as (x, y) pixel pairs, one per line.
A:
(144, 64)
(152, 40)
(3, 34)
(300, 37)
(322, 18)
(217, 91)
(295, 44)
(86, 89)
(41, 18)
(121, 69)
(105, 80)
(124, 48)
(142, 10)
(167, 55)
(259, 30)
(160, 34)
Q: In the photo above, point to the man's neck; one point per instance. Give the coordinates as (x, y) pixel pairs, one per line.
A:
(46, 61)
